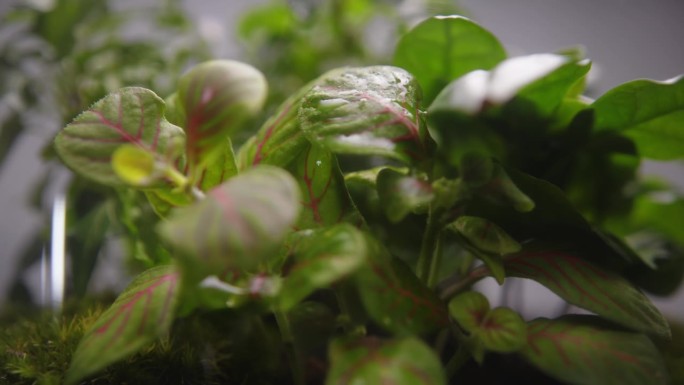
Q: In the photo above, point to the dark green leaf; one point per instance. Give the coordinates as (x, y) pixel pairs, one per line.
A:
(326, 200)
(395, 298)
(581, 350)
(402, 194)
(443, 48)
(370, 360)
(141, 314)
(369, 111)
(320, 259)
(239, 223)
(130, 116)
(650, 113)
(588, 286)
(485, 235)
(217, 98)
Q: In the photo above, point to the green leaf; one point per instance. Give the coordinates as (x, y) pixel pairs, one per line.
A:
(395, 298)
(279, 140)
(503, 331)
(485, 235)
(648, 112)
(239, 223)
(500, 330)
(469, 309)
(220, 168)
(326, 200)
(321, 258)
(582, 350)
(368, 111)
(443, 48)
(370, 360)
(586, 285)
(134, 165)
(130, 116)
(141, 314)
(217, 97)
(402, 194)
(541, 80)
(503, 190)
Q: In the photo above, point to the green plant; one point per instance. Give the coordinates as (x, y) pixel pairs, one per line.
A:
(346, 234)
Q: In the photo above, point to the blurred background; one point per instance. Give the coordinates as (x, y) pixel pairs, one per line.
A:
(57, 57)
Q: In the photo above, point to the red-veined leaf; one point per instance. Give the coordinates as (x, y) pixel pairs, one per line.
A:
(217, 97)
(321, 258)
(368, 111)
(395, 298)
(370, 360)
(325, 197)
(279, 140)
(141, 314)
(581, 350)
(131, 116)
(238, 224)
(588, 286)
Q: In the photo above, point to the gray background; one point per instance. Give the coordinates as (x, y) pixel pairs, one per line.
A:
(626, 39)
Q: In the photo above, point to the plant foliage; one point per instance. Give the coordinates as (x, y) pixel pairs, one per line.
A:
(472, 164)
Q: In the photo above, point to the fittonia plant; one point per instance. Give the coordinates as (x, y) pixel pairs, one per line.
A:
(374, 199)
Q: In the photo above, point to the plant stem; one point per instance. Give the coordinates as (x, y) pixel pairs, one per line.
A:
(467, 281)
(290, 349)
(427, 249)
(435, 262)
(457, 361)
(349, 308)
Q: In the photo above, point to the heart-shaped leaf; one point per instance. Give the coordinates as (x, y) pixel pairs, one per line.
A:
(130, 116)
(588, 286)
(582, 350)
(650, 113)
(402, 194)
(368, 111)
(239, 223)
(217, 97)
(370, 360)
(320, 259)
(326, 200)
(443, 48)
(469, 309)
(395, 298)
(141, 314)
(500, 330)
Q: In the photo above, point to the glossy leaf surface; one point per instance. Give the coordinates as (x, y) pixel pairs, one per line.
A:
(367, 111)
(584, 284)
(582, 350)
(370, 360)
(650, 113)
(320, 259)
(130, 116)
(217, 97)
(443, 48)
(239, 222)
(140, 315)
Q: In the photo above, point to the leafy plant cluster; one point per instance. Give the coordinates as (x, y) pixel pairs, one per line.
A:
(342, 240)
